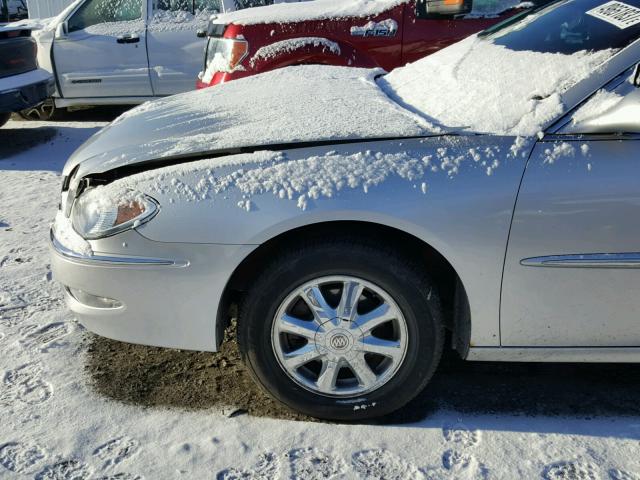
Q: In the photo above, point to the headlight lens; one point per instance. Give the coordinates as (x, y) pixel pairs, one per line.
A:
(97, 216)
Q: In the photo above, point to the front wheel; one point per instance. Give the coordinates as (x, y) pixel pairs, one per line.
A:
(342, 330)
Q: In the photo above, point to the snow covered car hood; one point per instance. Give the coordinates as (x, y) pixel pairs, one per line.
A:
(288, 106)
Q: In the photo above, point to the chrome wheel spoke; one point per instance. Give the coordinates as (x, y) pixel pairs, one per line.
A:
(328, 376)
(340, 356)
(318, 304)
(295, 326)
(366, 377)
(375, 318)
(387, 348)
(301, 356)
(348, 307)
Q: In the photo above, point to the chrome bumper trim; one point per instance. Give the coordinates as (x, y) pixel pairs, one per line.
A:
(587, 260)
(112, 259)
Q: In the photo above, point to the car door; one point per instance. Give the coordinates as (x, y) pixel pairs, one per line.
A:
(103, 51)
(175, 51)
(572, 270)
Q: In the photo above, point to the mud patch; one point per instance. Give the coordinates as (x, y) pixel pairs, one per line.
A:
(150, 376)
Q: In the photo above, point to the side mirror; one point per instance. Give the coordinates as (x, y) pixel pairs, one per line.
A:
(430, 9)
(623, 117)
(201, 34)
(62, 30)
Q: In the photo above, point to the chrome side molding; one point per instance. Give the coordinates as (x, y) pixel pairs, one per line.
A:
(586, 260)
(112, 260)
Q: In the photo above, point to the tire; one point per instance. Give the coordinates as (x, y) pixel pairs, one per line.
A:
(4, 118)
(46, 111)
(390, 282)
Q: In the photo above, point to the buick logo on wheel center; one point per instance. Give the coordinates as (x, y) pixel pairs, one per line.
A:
(339, 341)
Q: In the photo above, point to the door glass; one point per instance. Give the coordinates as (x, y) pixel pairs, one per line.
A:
(180, 14)
(174, 5)
(213, 6)
(241, 4)
(97, 12)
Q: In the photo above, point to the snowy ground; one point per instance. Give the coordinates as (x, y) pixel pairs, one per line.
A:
(475, 420)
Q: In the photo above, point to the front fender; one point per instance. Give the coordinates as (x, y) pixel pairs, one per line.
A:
(456, 194)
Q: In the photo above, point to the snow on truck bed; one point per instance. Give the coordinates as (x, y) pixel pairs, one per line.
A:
(335, 9)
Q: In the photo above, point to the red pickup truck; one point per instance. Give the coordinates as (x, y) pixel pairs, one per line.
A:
(356, 33)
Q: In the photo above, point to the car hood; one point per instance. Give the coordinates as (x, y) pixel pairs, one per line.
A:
(275, 110)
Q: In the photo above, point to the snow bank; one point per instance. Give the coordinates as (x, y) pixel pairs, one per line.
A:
(289, 45)
(478, 86)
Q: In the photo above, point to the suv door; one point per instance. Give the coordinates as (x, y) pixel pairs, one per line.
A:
(175, 51)
(103, 53)
(572, 268)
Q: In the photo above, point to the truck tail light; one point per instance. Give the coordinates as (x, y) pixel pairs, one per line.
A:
(239, 50)
(440, 8)
(225, 54)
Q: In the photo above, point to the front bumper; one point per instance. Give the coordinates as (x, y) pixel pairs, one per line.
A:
(168, 297)
(18, 96)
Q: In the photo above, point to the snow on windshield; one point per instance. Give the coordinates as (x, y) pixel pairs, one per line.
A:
(476, 85)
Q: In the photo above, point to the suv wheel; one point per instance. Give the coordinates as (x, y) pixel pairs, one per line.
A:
(342, 330)
(44, 112)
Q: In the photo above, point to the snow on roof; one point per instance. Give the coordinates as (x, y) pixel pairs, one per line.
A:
(478, 86)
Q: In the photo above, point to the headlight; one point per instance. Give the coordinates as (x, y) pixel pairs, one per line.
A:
(96, 216)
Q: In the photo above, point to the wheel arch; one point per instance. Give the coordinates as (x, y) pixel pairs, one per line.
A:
(314, 55)
(451, 289)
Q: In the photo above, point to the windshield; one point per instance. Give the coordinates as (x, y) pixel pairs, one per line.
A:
(509, 80)
(570, 26)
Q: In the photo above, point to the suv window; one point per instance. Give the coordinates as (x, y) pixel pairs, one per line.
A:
(95, 12)
(241, 4)
(190, 6)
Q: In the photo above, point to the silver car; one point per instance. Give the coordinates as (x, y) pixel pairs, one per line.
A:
(352, 219)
